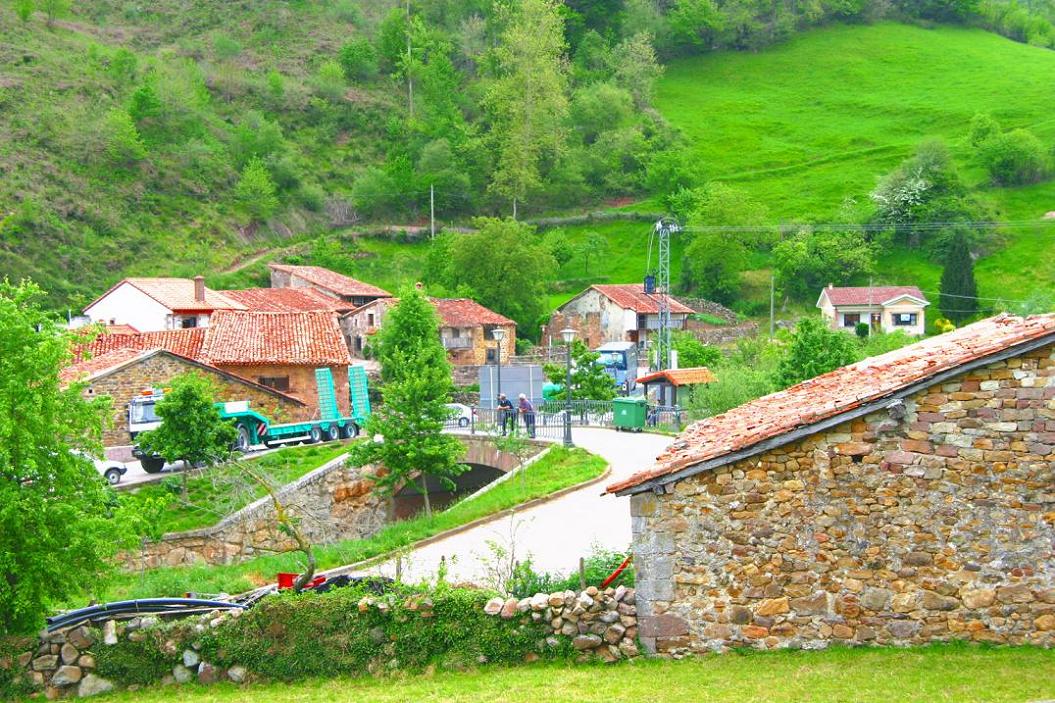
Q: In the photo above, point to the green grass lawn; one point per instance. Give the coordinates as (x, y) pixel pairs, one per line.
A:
(210, 495)
(809, 123)
(558, 469)
(949, 673)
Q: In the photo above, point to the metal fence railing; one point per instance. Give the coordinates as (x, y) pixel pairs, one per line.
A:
(547, 422)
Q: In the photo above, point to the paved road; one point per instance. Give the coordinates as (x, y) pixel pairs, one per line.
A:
(554, 534)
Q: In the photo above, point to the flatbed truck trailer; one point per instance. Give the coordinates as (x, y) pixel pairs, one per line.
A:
(255, 428)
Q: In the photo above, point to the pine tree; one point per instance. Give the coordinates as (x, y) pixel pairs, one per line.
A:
(958, 299)
(416, 387)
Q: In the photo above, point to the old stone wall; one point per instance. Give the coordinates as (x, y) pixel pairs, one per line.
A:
(716, 334)
(710, 308)
(158, 370)
(939, 525)
(335, 502)
(587, 326)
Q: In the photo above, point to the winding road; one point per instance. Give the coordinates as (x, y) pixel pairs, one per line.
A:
(554, 534)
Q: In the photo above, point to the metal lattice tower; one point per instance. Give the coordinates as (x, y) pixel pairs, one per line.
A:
(663, 341)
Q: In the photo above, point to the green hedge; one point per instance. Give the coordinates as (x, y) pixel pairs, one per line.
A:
(348, 631)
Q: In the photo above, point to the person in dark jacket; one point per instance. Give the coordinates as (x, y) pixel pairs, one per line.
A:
(506, 415)
(527, 411)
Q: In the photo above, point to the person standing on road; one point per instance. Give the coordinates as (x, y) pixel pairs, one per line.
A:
(506, 414)
(527, 411)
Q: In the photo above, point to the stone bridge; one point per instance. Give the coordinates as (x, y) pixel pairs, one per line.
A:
(334, 502)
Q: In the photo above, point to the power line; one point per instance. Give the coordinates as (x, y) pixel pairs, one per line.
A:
(871, 227)
(973, 297)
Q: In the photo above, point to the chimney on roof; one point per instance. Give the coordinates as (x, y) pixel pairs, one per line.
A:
(199, 289)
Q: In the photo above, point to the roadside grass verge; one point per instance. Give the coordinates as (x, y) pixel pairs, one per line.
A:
(209, 493)
(558, 469)
(948, 672)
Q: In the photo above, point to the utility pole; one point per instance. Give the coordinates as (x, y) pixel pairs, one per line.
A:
(663, 339)
(432, 211)
(410, 61)
(772, 302)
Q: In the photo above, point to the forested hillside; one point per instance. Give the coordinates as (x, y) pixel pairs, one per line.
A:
(179, 136)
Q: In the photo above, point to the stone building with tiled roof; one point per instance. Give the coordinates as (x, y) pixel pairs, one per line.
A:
(466, 330)
(155, 304)
(903, 499)
(613, 313)
(883, 308)
(325, 281)
(277, 350)
(288, 300)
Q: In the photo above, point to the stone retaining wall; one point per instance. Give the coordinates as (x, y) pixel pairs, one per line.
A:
(335, 502)
(598, 624)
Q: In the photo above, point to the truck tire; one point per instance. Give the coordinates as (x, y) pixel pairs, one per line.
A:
(152, 464)
(351, 431)
(314, 435)
(244, 440)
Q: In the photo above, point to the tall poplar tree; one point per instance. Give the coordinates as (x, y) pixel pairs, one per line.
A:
(528, 101)
(958, 299)
(416, 378)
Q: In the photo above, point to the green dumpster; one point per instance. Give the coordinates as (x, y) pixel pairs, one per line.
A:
(629, 413)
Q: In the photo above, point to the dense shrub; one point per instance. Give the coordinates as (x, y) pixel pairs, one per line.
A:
(1014, 158)
(358, 58)
(289, 636)
(142, 661)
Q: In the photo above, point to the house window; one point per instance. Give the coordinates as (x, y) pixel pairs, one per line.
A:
(370, 319)
(851, 319)
(491, 355)
(904, 319)
(456, 332)
(188, 322)
(358, 344)
(279, 383)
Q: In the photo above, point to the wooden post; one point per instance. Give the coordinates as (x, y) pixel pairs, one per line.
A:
(399, 568)
(582, 574)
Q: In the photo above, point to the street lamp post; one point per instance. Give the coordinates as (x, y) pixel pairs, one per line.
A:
(499, 334)
(569, 336)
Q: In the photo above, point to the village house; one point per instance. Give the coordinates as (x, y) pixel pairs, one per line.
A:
(903, 499)
(466, 330)
(325, 281)
(125, 373)
(883, 308)
(154, 304)
(613, 313)
(279, 351)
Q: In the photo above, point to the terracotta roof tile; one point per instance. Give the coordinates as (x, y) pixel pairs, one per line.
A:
(681, 377)
(97, 364)
(287, 300)
(874, 295)
(463, 312)
(121, 329)
(333, 281)
(262, 338)
(839, 391)
(185, 342)
(632, 296)
(176, 294)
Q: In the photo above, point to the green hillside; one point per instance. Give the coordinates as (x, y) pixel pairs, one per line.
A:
(808, 124)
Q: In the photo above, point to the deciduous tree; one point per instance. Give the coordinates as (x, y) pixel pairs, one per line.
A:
(191, 428)
(589, 380)
(814, 349)
(416, 387)
(255, 192)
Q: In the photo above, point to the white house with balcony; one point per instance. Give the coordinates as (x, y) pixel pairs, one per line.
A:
(882, 308)
(156, 304)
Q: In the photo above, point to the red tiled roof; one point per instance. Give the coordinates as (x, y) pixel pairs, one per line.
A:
(632, 296)
(333, 281)
(287, 300)
(874, 295)
(97, 364)
(121, 329)
(176, 294)
(463, 312)
(185, 342)
(681, 377)
(839, 391)
(263, 338)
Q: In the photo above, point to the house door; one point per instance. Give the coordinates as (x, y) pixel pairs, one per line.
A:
(877, 321)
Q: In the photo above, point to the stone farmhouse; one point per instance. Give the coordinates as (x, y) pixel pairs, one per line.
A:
(903, 499)
(613, 313)
(155, 304)
(466, 330)
(327, 282)
(884, 309)
(123, 374)
(275, 350)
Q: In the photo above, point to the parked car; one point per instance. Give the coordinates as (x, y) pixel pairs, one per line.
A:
(460, 413)
(111, 470)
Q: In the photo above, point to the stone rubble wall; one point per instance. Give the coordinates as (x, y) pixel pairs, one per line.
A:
(715, 335)
(600, 624)
(335, 501)
(935, 526)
